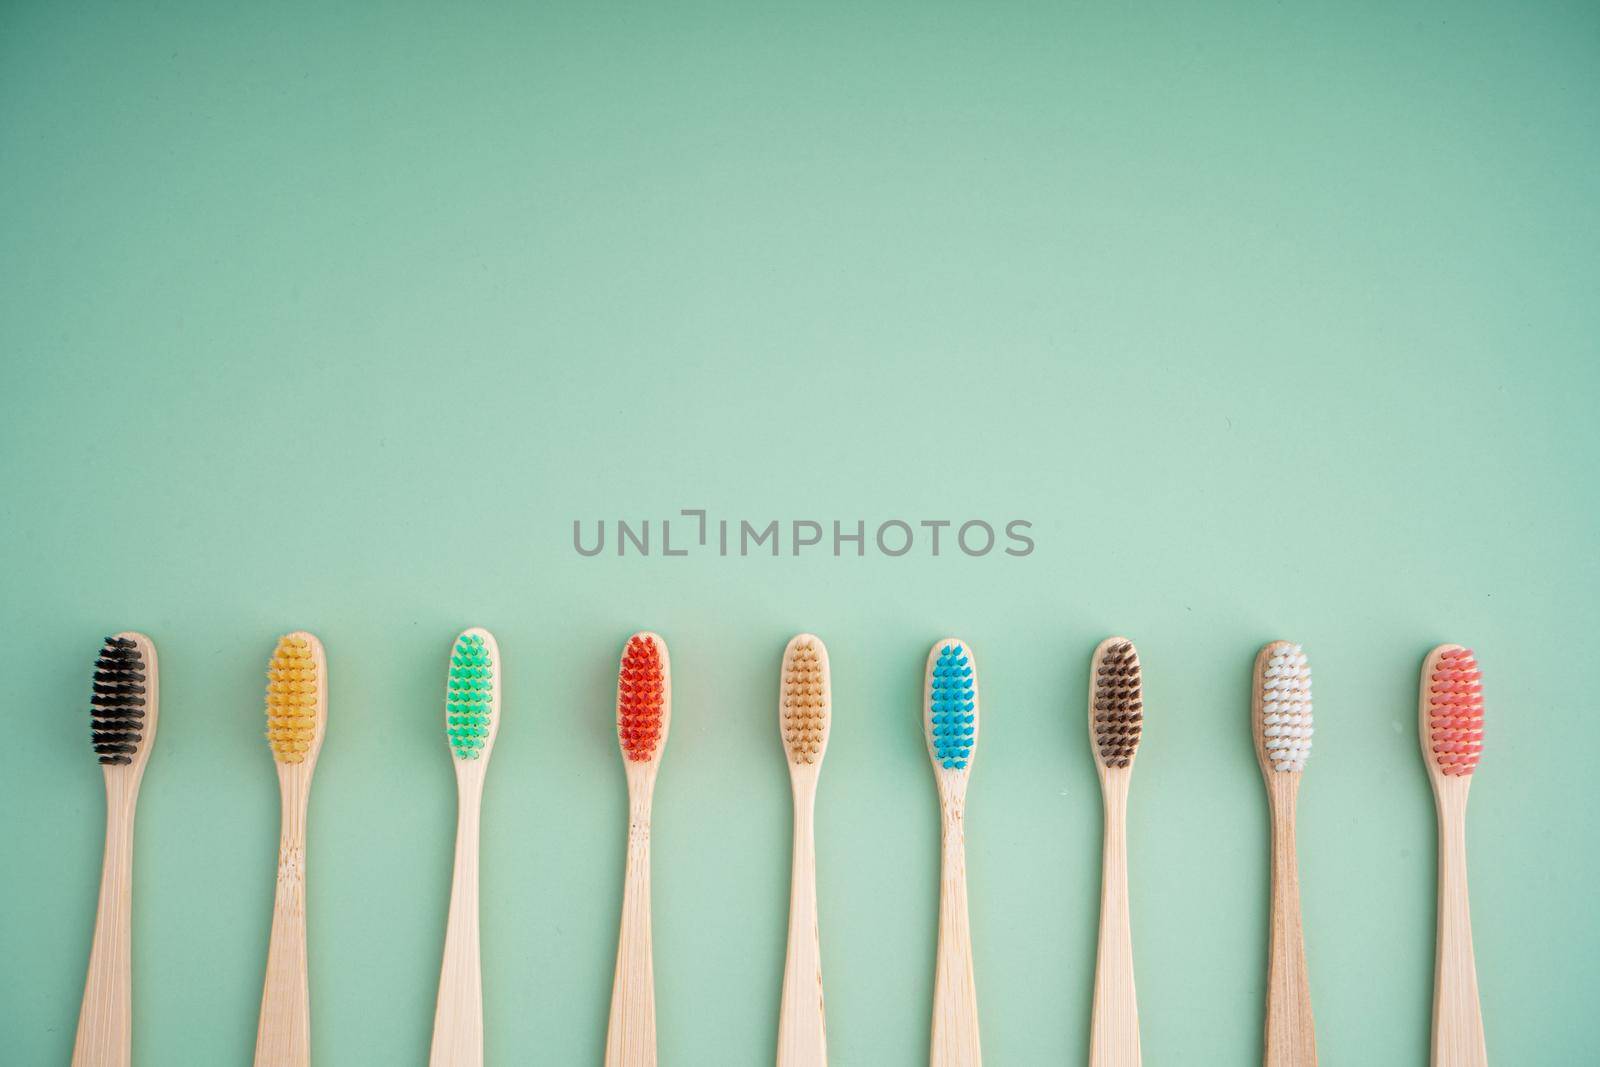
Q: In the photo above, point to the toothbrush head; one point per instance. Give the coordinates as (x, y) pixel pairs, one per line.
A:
(1451, 711)
(805, 701)
(1282, 708)
(123, 700)
(1116, 704)
(644, 698)
(472, 695)
(297, 699)
(950, 708)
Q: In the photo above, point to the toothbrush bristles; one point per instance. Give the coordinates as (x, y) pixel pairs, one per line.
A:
(1286, 726)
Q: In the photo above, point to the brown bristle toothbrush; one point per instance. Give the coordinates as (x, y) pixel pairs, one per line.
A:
(1116, 722)
(1450, 727)
(950, 723)
(123, 708)
(644, 712)
(1280, 717)
(804, 715)
(297, 716)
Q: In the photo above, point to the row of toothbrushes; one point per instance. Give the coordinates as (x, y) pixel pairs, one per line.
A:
(125, 707)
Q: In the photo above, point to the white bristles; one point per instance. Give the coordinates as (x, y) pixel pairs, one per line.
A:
(1286, 708)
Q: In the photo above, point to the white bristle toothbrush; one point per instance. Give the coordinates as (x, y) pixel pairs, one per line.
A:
(1280, 716)
(1116, 723)
(950, 724)
(1450, 727)
(471, 720)
(805, 707)
(123, 708)
(644, 712)
(297, 717)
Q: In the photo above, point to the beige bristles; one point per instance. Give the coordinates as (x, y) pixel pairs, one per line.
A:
(805, 703)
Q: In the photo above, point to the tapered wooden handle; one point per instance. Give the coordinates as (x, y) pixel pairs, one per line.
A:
(631, 1034)
(105, 1021)
(1114, 1030)
(1457, 1018)
(283, 1038)
(458, 1016)
(955, 994)
(1291, 1038)
(802, 1026)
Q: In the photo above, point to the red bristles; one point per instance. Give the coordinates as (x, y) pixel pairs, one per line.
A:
(1455, 711)
(640, 685)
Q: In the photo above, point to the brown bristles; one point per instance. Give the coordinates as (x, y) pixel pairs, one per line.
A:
(1118, 704)
(641, 694)
(804, 700)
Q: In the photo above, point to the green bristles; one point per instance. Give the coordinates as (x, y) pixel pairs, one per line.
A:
(469, 706)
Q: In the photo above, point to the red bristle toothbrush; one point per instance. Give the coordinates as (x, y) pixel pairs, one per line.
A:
(644, 711)
(1450, 727)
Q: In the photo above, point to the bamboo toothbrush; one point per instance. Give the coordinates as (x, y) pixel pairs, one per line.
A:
(1450, 727)
(950, 722)
(805, 706)
(1280, 717)
(123, 709)
(644, 712)
(1116, 721)
(297, 717)
(471, 720)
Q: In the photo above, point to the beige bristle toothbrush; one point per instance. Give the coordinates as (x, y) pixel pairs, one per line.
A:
(297, 717)
(1280, 716)
(805, 706)
(1116, 722)
(123, 707)
(471, 721)
(644, 712)
(950, 725)
(1450, 728)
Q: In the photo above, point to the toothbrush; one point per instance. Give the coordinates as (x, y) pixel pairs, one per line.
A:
(123, 708)
(805, 704)
(950, 722)
(644, 711)
(1450, 727)
(297, 717)
(471, 720)
(1116, 721)
(1280, 717)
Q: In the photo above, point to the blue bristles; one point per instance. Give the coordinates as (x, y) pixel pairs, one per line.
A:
(951, 708)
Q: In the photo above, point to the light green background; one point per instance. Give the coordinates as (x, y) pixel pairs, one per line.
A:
(1275, 322)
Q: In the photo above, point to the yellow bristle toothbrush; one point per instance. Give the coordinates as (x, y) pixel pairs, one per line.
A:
(644, 712)
(805, 707)
(297, 716)
(950, 723)
(123, 708)
(471, 720)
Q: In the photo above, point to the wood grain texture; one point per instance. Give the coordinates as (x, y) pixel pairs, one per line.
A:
(1458, 1037)
(1290, 1038)
(631, 1031)
(283, 1034)
(954, 1040)
(458, 1012)
(802, 1018)
(105, 1017)
(1114, 1023)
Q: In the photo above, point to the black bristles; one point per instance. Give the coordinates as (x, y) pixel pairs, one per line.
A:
(116, 706)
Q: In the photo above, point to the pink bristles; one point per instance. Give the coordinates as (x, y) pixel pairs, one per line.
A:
(1455, 711)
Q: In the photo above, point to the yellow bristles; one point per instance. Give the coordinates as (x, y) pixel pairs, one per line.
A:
(805, 702)
(291, 700)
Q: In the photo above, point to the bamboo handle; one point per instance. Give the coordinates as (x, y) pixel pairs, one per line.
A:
(283, 1038)
(458, 1016)
(1457, 1018)
(955, 994)
(1114, 1031)
(802, 1023)
(105, 1020)
(1291, 1039)
(631, 1034)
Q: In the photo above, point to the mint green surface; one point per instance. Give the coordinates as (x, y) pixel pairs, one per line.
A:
(1275, 320)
